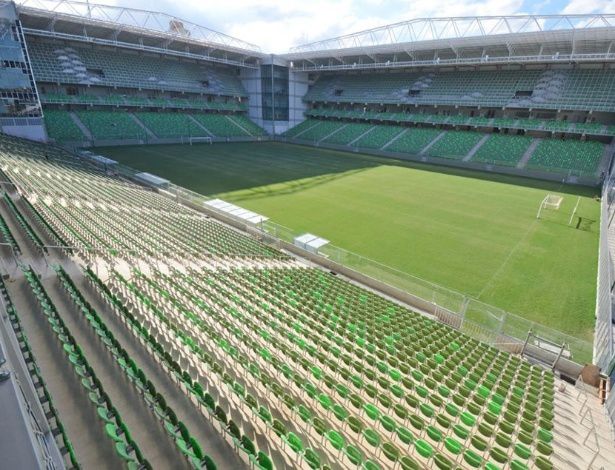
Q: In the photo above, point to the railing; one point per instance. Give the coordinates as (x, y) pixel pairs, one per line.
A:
(475, 318)
(587, 420)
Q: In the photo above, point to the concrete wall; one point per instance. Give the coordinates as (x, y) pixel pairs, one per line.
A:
(251, 80)
(27, 131)
(297, 88)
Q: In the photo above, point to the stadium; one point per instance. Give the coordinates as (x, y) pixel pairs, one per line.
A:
(392, 249)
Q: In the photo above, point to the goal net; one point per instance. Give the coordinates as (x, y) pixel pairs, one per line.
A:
(551, 202)
(199, 140)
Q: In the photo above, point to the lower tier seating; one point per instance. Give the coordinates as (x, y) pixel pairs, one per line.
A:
(171, 125)
(579, 157)
(455, 144)
(61, 127)
(414, 140)
(378, 137)
(347, 134)
(111, 125)
(220, 125)
(502, 149)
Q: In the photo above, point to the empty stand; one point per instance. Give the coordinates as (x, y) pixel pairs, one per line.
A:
(293, 366)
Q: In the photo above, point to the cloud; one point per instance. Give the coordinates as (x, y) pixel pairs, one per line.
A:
(591, 6)
(277, 25)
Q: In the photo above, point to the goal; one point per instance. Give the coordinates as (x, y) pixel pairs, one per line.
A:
(550, 202)
(197, 140)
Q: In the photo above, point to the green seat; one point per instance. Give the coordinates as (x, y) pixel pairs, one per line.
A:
(372, 437)
(434, 433)
(523, 451)
(312, 459)
(443, 463)
(371, 411)
(262, 461)
(388, 423)
(516, 465)
(498, 455)
(543, 463)
(405, 435)
(423, 448)
(408, 463)
(113, 432)
(453, 445)
(355, 424)
(354, 455)
(370, 465)
(472, 458)
(335, 439)
(390, 451)
(124, 451)
(294, 442)
(340, 412)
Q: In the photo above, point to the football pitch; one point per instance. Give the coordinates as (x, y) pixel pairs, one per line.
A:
(473, 232)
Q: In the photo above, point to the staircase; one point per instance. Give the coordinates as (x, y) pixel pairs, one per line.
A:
(334, 132)
(305, 130)
(428, 146)
(350, 144)
(474, 149)
(528, 153)
(81, 126)
(143, 126)
(582, 436)
(402, 133)
(247, 132)
(200, 125)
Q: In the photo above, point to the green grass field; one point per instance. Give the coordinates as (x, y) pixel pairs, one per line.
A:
(472, 232)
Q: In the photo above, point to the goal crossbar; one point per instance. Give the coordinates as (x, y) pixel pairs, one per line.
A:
(551, 202)
(206, 140)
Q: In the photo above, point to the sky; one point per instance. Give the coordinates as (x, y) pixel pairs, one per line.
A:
(278, 25)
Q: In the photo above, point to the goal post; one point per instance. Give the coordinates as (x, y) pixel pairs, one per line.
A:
(550, 202)
(198, 140)
(574, 211)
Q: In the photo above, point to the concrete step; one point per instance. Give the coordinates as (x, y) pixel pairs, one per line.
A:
(394, 139)
(143, 126)
(81, 125)
(474, 149)
(528, 153)
(200, 125)
(429, 145)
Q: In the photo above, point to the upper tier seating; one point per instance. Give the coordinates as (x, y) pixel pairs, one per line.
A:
(561, 89)
(121, 68)
(195, 102)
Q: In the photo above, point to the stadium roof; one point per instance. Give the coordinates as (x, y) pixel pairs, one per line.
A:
(424, 42)
(133, 28)
(465, 41)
